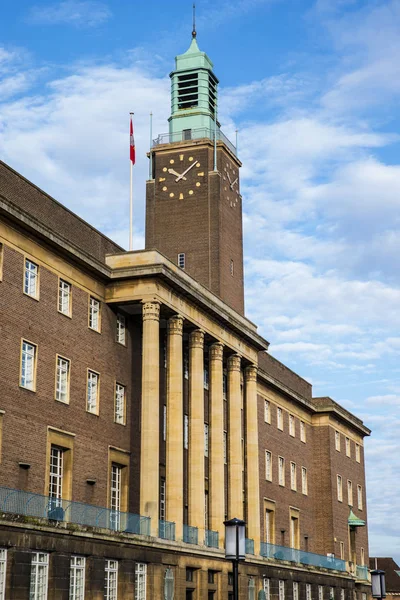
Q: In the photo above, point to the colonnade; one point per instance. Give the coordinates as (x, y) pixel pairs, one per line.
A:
(149, 457)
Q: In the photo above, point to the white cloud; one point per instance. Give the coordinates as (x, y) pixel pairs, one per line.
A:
(79, 13)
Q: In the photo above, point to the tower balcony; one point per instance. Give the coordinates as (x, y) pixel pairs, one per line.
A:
(187, 135)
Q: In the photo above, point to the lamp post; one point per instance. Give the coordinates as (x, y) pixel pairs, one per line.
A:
(235, 548)
(378, 584)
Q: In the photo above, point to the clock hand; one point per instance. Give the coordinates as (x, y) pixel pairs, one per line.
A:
(187, 170)
(233, 183)
(227, 174)
(175, 173)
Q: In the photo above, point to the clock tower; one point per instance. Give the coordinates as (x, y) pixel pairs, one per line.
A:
(193, 201)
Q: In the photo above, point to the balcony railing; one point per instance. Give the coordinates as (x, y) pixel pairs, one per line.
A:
(299, 556)
(211, 538)
(249, 546)
(166, 530)
(362, 573)
(54, 509)
(190, 534)
(193, 134)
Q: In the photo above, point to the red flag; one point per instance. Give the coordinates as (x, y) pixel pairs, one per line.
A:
(132, 145)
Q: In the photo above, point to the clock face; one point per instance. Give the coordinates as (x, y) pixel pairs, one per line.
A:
(182, 177)
(230, 182)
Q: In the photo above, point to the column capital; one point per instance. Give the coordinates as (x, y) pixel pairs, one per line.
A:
(196, 339)
(216, 351)
(250, 373)
(175, 325)
(150, 310)
(234, 362)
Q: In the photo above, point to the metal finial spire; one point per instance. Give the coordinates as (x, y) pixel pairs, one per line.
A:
(194, 21)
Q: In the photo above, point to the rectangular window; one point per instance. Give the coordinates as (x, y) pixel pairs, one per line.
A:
(205, 378)
(92, 395)
(224, 385)
(342, 594)
(292, 430)
(62, 379)
(349, 492)
(337, 441)
(295, 590)
(269, 525)
(279, 418)
(348, 447)
(94, 314)
(339, 489)
(186, 364)
(140, 581)
(189, 574)
(181, 260)
(120, 403)
(320, 592)
(362, 557)
(358, 453)
(267, 588)
(115, 495)
(64, 297)
(342, 550)
(308, 591)
(281, 590)
(211, 576)
(3, 572)
(267, 412)
(205, 439)
(293, 476)
(185, 431)
(31, 279)
(304, 481)
(294, 532)
(268, 465)
(121, 329)
(164, 431)
(359, 497)
(162, 499)
(111, 582)
(39, 576)
(225, 447)
(56, 472)
(77, 578)
(281, 469)
(331, 593)
(28, 365)
(302, 432)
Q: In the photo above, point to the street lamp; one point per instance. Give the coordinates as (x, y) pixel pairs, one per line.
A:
(378, 584)
(235, 548)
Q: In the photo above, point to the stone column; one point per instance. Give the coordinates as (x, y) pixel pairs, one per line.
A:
(235, 473)
(149, 455)
(217, 475)
(174, 445)
(252, 466)
(196, 432)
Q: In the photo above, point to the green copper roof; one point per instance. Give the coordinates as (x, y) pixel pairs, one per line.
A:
(193, 58)
(354, 521)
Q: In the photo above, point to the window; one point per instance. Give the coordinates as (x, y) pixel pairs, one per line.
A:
(304, 481)
(294, 530)
(31, 279)
(39, 576)
(342, 550)
(279, 418)
(94, 314)
(302, 432)
(337, 441)
(269, 525)
(64, 297)
(28, 365)
(252, 589)
(320, 592)
(120, 396)
(232, 267)
(363, 558)
(162, 499)
(295, 590)
(308, 591)
(339, 489)
(186, 364)
(164, 422)
(267, 412)
(56, 472)
(292, 430)
(121, 329)
(359, 497)
(92, 398)
(293, 476)
(225, 447)
(62, 379)
(267, 587)
(111, 583)
(205, 378)
(281, 590)
(331, 593)
(190, 574)
(185, 431)
(342, 594)
(358, 453)
(77, 578)
(268, 465)
(181, 260)
(205, 439)
(3, 571)
(349, 492)
(230, 579)
(211, 576)
(224, 385)
(115, 495)
(348, 447)
(281, 467)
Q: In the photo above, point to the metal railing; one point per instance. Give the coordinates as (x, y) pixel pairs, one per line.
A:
(211, 538)
(166, 530)
(362, 573)
(299, 556)
(42, 507)
(190, 534)
(249, 546)
(195, 134)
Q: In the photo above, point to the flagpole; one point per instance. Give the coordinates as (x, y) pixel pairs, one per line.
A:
(151, 145)
(131, 202)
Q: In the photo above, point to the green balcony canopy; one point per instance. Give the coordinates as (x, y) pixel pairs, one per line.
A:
(354, 521)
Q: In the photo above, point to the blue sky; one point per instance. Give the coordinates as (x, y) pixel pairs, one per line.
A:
(313, 86)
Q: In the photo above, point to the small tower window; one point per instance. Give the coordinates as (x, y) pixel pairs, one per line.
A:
(187, 134)
(188, 90)
(181, 260)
